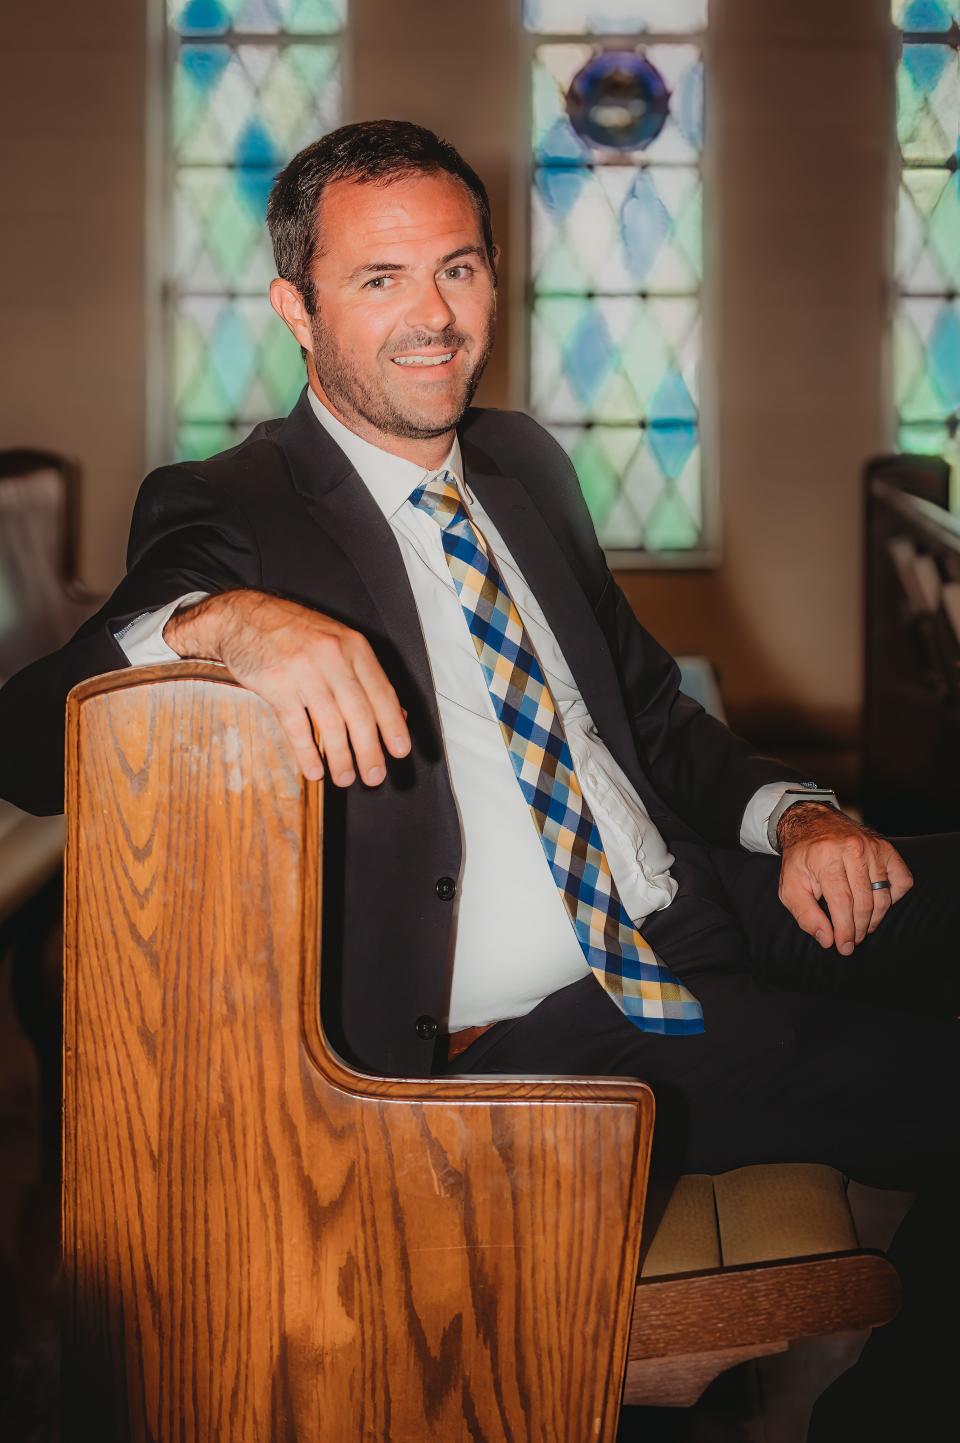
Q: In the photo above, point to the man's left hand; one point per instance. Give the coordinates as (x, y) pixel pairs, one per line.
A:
(827, 854)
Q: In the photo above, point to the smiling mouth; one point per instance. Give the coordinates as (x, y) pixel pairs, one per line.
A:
(440, 360)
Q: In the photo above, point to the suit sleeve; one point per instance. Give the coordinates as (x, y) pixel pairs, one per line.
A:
(703, 771)
(186, 535)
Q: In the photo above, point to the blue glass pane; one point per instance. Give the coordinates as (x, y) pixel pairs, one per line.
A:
(616, 229)
(923, 16)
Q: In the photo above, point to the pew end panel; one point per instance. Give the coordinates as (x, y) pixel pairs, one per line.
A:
(260, 1242)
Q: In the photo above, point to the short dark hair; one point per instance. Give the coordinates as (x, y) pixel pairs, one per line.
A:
(372, 151)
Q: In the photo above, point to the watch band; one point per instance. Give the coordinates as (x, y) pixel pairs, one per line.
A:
(794, 796)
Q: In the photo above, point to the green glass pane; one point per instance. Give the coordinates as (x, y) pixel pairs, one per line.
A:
(229, 362)
(281, 367)
(556, 143)
(928, 102)
(927, 358)
(196, 441)
(573, 17)
(220, 238)
(924, 440)
(671, 527)
(632, 503)
(599, 478)
(928, 230)
(252, 105)
(616, 229)
(314, 17)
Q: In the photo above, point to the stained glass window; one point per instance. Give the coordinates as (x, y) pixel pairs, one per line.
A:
(251, 82)
(927, 323)
(615, 259)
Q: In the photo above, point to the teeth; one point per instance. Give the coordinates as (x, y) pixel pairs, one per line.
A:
(423, 360)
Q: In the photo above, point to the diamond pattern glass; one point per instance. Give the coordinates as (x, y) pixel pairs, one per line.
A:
(256, 17)
(252, 82)
(926, 338)
(616, 266)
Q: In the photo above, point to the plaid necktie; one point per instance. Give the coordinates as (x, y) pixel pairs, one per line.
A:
(622, 962)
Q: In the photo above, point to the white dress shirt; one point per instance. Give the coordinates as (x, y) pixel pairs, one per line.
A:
(514, 941)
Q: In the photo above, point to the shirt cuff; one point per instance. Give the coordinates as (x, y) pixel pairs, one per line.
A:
(759, 810)
(141, 640)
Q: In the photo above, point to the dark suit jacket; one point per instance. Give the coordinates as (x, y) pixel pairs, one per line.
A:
(285, 512)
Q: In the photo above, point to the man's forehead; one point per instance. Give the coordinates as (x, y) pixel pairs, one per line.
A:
(421, 212)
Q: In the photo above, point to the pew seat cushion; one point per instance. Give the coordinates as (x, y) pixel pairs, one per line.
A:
(750, 1215)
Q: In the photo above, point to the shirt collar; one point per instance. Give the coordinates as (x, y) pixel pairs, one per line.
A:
(389, 479)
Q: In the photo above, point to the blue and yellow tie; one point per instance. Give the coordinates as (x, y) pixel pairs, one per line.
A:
(622, 962)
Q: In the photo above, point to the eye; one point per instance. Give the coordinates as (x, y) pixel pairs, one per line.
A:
(375, 283)
(458, 272)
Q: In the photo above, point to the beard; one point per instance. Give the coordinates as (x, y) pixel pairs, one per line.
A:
(355, 392)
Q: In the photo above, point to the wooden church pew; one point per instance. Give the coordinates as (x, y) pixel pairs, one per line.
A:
(262, 1244)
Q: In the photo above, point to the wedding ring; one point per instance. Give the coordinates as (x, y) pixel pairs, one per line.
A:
(879, 886)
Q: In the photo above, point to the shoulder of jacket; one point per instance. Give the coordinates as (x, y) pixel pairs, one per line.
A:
(516, 442)
(257, 456)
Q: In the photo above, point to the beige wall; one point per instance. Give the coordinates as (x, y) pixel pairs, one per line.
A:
(800, 114)
(72, 282)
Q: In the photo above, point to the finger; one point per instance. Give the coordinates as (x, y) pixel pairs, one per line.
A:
(806, 912)
(881, 897)
(332, 736)
(900, 875)
(839, 900)
(361, 725)
(296, 723)
(855, 854)
(389, 715)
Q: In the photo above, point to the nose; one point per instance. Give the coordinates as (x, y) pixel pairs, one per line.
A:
(428, 310)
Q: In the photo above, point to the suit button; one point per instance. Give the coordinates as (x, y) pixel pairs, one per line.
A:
(446, 889)
(426, 1028)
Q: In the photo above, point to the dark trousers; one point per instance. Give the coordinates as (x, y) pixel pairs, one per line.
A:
(807, 1056)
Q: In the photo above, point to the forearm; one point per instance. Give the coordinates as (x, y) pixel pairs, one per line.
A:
(197, 629)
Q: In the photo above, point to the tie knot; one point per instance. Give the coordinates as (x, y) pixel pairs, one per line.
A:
(440, 499)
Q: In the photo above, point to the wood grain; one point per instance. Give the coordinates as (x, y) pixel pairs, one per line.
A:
(262, 1245)
(743, 1306)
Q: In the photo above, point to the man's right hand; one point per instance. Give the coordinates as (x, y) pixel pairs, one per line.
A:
(329, 692)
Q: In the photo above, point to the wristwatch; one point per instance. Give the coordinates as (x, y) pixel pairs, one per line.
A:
(796, 796)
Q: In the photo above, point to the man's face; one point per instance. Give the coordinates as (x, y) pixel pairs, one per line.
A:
(404, 304)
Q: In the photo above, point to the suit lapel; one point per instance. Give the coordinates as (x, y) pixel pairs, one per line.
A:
(339, 502)
(551, 578)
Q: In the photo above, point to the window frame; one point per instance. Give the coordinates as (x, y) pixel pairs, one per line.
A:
(708, 555)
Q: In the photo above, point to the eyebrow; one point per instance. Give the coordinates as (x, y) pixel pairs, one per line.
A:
(373, 266)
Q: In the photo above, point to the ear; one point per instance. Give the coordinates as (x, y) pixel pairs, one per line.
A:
(289, 306)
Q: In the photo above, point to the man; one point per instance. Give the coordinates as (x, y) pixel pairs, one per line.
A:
(540, 856)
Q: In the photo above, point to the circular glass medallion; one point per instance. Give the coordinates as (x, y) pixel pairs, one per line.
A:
(619, 100)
